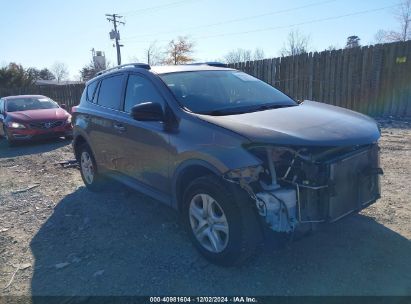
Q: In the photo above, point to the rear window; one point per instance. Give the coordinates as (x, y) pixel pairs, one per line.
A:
(110, 92)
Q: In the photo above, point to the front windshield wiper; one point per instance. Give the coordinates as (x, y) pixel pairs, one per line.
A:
(248, 109)
(222, 112)
(271, 106)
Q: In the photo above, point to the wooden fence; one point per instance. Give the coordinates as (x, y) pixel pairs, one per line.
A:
(375, 80)
(63, 94)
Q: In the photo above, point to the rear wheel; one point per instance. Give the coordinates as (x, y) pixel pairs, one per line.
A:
(220, 221)
(88, 168)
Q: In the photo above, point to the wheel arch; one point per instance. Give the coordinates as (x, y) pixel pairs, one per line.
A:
(187, 172)
(78, 141)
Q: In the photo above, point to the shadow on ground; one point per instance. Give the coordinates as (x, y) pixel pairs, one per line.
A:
(122, 243)
(31, 147)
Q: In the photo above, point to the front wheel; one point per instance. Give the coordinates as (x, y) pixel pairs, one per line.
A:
(222, 224)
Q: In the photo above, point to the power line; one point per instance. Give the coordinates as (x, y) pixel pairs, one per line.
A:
(237, 19)
(286, 26)
(301, 23)
(155, 8)
(114, 34)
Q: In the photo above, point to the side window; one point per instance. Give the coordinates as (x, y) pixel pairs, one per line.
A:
(1, 106)
(139, 90)
(91, 91)
(110, 92)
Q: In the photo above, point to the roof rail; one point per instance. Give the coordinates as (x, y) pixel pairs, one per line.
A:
(210, 63)
(135, 64)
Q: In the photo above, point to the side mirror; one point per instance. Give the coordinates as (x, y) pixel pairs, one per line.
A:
(147, 111)
(63, 106)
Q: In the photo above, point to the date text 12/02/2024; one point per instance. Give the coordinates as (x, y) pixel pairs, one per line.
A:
(203, 299)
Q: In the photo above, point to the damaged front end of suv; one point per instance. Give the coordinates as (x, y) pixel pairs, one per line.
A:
(295, 186)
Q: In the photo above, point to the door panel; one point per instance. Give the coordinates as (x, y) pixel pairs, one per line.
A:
(105, 138)
(103, 133)
(145, 153)
(145, 145)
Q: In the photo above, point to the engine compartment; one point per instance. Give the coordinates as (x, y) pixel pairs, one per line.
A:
(300, 185)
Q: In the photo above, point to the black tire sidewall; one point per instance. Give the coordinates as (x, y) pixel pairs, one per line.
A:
(7, 137)
(225, 199)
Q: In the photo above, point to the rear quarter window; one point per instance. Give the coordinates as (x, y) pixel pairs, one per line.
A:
(91, 91)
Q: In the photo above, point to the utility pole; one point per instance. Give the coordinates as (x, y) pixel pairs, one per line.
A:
(114, 34)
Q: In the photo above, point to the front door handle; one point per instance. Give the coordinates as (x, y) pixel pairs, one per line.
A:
(119, 127)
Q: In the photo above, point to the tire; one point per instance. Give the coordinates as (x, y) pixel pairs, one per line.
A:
(10, 142)
(227, 231)
(88, 169)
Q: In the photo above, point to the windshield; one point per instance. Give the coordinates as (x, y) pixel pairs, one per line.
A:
(224, 92)
(30, 103)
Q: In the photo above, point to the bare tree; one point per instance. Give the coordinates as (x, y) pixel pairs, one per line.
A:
(154, 54)
(133, 59)
(110, 64)
(353, 42)
(242, 55)
(179, 51)
(258, 54)
(403, 15)
(238, 55)
(60, 71)
(380, 37)
(296, 44)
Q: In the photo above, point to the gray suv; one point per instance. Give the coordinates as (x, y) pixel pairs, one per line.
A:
(235, 156)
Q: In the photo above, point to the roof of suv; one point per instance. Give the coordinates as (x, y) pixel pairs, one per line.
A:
(163, 69)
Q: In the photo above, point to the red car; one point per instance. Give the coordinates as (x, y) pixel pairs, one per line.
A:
(26, 117)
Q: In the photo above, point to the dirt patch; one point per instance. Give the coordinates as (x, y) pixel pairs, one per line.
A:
(57, 238)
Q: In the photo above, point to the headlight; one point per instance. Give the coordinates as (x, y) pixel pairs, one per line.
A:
(68, 120)
(16, 125)
(248, 174)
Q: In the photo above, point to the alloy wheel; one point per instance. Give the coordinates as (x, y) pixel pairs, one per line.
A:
(87, 167)
(209, 223)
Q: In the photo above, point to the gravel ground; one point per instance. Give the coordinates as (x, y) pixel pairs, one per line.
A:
(57, 238)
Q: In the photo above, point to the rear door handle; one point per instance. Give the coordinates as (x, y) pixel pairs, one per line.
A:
(119, 127)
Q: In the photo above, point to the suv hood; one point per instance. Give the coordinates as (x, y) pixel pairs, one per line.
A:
(39, 115)
(308, 124)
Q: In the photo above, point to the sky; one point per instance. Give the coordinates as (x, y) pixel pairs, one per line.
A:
(40, 33)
